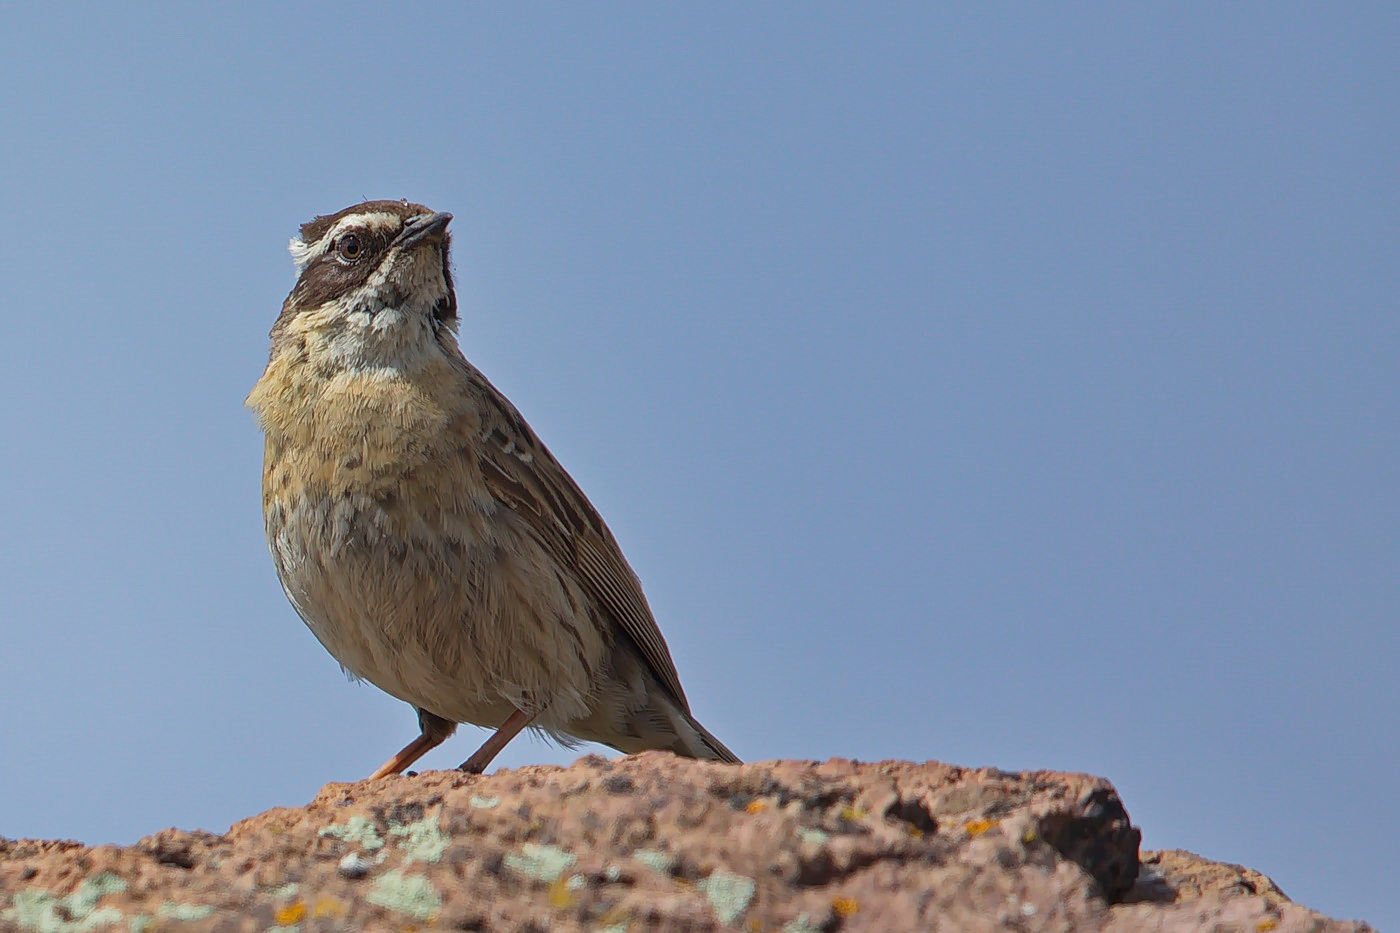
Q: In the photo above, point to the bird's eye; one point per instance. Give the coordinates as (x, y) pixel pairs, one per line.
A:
(349, 247)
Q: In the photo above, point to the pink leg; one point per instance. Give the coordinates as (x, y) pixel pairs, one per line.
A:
(483, 756)
(407, 756)
(434, 731)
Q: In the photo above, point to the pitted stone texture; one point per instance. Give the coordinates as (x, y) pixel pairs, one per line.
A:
(654, 842)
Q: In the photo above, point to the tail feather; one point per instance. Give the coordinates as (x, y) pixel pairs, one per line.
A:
(636, 713)
(661, 725)
(702, 744)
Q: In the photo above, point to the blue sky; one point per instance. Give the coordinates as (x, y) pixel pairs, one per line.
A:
(1008, 385)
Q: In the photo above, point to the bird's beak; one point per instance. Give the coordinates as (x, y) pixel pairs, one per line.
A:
(420, 228)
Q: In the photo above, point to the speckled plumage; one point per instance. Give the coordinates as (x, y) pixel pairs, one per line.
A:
(421, 529)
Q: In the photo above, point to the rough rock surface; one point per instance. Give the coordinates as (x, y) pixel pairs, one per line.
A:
(654, 842)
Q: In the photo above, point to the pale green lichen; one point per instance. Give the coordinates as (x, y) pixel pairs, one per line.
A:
(354, 865)
(803, 924)
(654, 859)
(814, 836)
(358, 830)
(413, 895)
(484, 803)
(170, 910)
(543, 863)
(289, 889)
(729, 894)
(44, 912)
(185, 912)
(423, 840)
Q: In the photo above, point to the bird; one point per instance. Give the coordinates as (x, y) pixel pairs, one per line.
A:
(424, 533)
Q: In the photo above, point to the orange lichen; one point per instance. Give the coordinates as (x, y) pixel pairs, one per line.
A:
(845, 906)
(976, 828)
(292, 913)
(757, 806)
(1264, 926)
(560, 894)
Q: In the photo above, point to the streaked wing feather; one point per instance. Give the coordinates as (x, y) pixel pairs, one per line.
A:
(524, 476)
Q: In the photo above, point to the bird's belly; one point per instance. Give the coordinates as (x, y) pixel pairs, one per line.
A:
(448, 609)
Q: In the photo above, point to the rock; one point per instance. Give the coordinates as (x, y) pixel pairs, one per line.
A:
(653, 842)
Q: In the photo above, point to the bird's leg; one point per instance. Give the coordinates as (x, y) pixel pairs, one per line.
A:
(499, 739)
(434, 730)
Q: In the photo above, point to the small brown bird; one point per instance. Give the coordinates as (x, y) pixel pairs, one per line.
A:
(424, 533)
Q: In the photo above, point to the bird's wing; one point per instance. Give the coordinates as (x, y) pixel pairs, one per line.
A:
(522, 473)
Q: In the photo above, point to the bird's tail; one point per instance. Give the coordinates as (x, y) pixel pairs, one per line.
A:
(636, 713)
(695, 741)
(662, 724)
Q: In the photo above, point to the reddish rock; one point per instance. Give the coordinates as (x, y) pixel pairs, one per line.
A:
(654, 842)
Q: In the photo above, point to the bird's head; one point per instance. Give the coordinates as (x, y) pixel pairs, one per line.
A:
(375, 287)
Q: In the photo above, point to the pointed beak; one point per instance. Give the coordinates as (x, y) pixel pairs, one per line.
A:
(420, 228)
